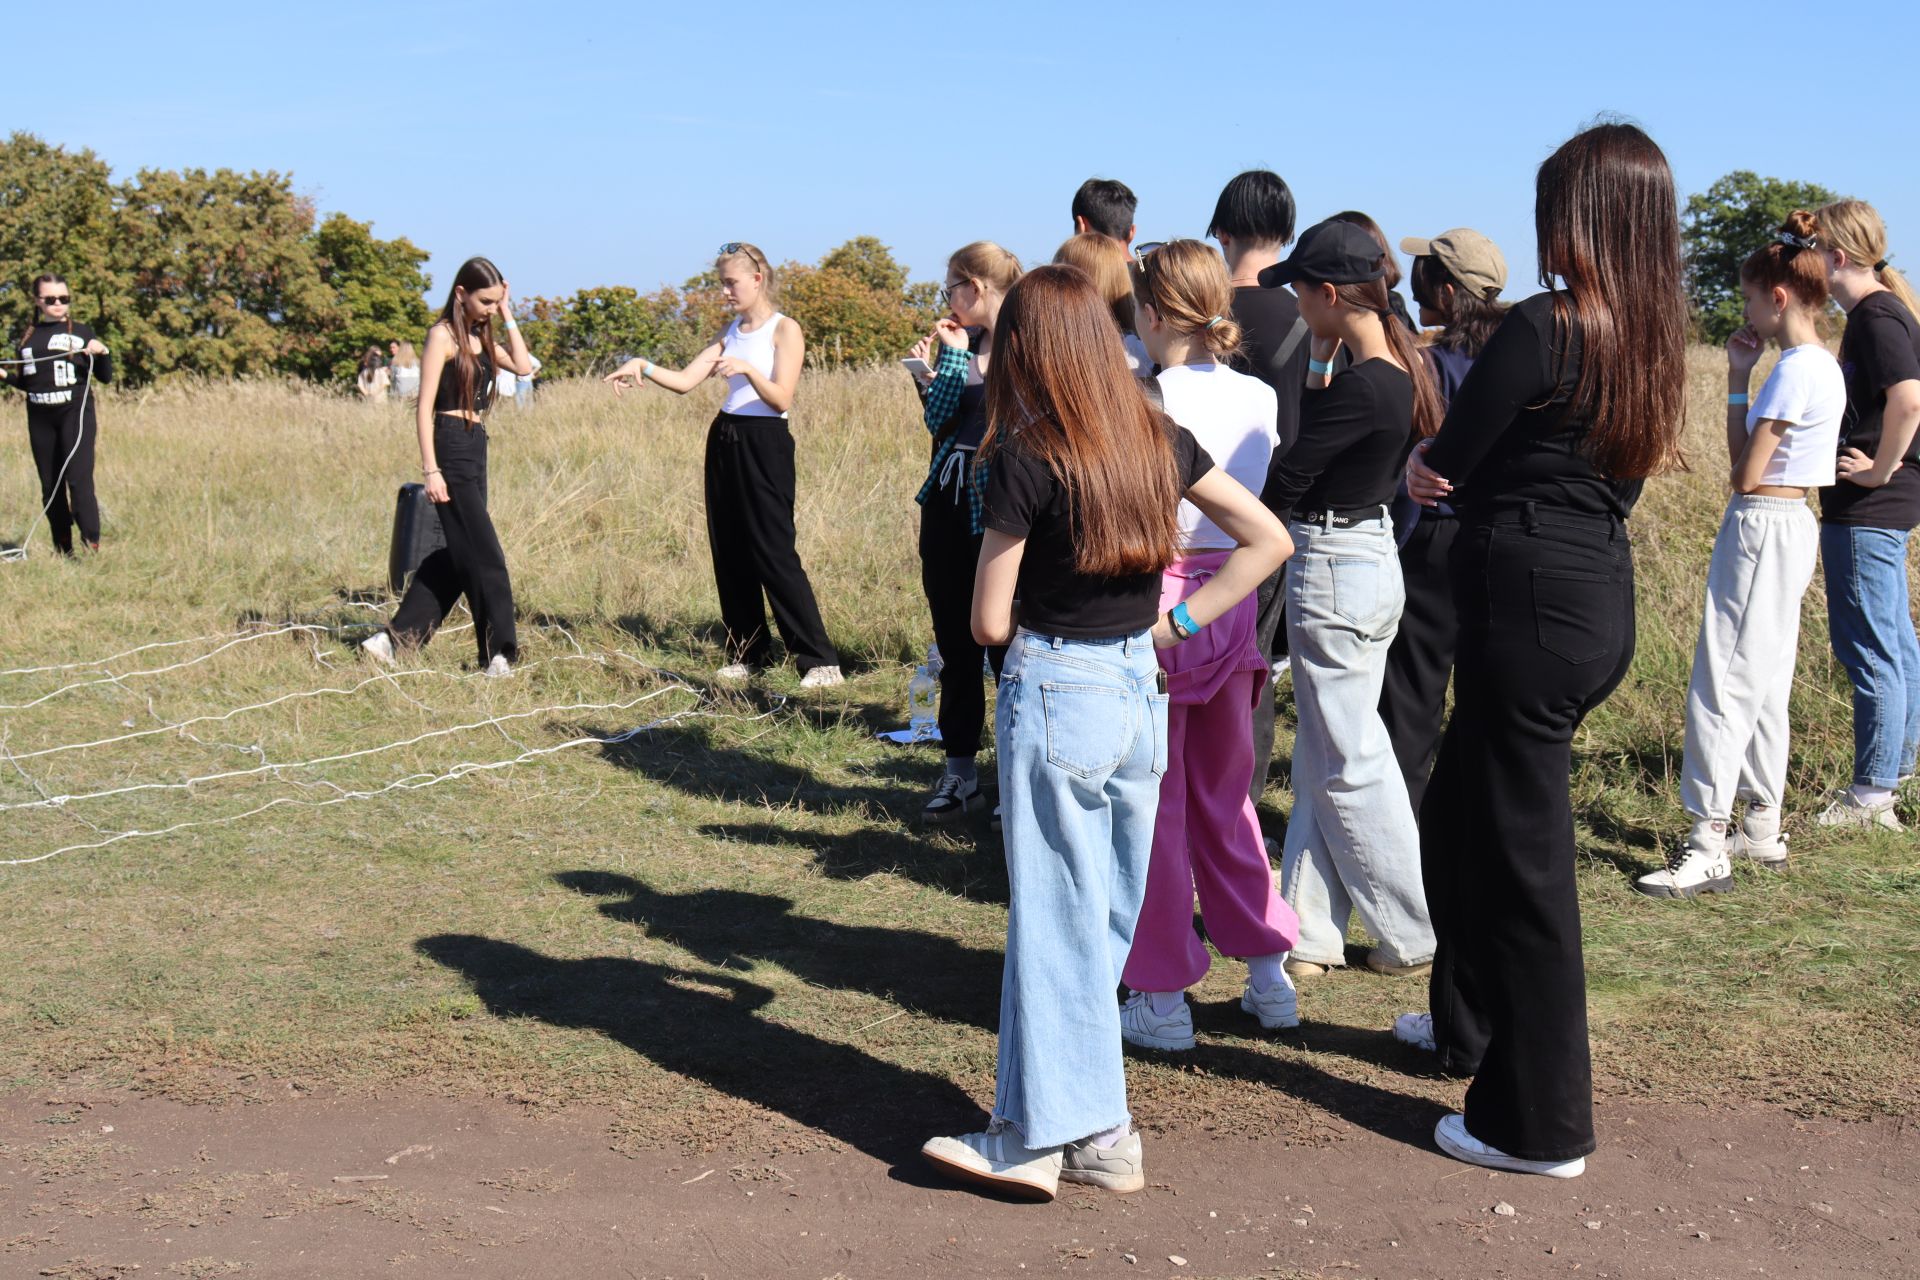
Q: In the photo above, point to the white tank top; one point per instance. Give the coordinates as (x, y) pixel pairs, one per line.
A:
(756, 349)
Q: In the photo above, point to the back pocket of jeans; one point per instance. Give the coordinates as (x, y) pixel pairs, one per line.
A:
(1088, 729)
(1572, 614)
(1356, 587)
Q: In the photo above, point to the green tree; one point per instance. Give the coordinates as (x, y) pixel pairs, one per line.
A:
(1732, 218)
(856, 305)
(57, 214)
(379, 295)
(589, 331)
(223, 274)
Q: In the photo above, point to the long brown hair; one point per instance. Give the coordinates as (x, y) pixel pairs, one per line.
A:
(33, 316)
(474, 275)
(1060, 385)
(1608, 223)
(1470, 318)
(1371, 295)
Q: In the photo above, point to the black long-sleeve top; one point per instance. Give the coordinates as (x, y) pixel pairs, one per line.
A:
(1353, 437)
(1510, 436)
(57, 366)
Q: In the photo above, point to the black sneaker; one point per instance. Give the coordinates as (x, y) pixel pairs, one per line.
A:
(951, 799)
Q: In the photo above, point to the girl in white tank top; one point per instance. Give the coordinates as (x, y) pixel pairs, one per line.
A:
(750, 474)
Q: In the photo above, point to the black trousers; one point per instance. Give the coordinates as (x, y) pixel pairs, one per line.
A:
(55, 431)
(472, 563)
(1546, 632)
(1413, 700)
(949, 555)
(1270, 633)
(749, 485)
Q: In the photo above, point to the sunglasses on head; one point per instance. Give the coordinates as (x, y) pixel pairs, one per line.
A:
(1141, 252)
(55, 299)
(732, 247)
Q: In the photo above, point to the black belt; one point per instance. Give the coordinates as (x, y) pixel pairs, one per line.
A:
(1342, 518)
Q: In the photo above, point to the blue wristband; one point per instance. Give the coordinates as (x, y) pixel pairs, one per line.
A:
(1322, 367)
(1183, 621)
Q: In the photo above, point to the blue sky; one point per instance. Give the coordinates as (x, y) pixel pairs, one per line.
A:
(619, 144)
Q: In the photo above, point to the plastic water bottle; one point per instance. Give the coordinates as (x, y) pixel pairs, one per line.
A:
(922, 705)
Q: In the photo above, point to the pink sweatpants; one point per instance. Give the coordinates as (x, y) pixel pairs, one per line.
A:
(1206, 837)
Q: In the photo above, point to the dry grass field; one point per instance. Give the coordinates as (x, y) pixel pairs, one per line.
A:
(728, 923)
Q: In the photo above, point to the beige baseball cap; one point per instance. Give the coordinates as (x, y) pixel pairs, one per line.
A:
(1468, 256)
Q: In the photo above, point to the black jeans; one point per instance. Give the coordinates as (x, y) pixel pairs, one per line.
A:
(1270, 635)
(749, 484)
(472, 563)
(949, 555)
(1545, 603)
(55, 431)
(1413, 700)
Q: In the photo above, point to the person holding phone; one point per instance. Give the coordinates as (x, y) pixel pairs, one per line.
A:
(59, 359)
(456, 390)
(750, 473)
(951, 498)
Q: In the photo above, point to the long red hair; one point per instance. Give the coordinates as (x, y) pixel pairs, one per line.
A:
(1059, 385)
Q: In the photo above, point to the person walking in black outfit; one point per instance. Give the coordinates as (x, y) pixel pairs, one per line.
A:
(1457, 277)
(1574, 402)
(58, 359)
(952, 509)
(750, 474)
(456, 387)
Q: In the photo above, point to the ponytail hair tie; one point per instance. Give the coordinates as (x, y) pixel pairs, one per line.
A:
(1880, 265)
(1214, 320)
(1798, 242)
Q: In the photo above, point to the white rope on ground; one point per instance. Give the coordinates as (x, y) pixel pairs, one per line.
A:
(61, 801)
(154, 671)
(413, 782)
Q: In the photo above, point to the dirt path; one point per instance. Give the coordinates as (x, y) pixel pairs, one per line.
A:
(96, 1186)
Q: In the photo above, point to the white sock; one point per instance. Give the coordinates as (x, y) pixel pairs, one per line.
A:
(962, 767)
(1264, 971)
(1709, 835)
(1872, 797)
(1165, 1003)
(1760, 822)
(1111, 1137)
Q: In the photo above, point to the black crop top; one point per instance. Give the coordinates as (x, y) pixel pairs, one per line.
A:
(447, 398)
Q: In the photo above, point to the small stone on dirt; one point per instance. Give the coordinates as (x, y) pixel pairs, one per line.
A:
(1701, 1235)
(1592, 1225)
(1176, 1260)
(1504, 1209)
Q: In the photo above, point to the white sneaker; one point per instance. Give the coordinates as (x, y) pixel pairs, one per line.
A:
(997, 1159)
(1416, 1029)
(379, 647)
(1451, 1133)
(733, 673)
(499, 668)
(1140, 1025)
(1691, 871)
(1768, 853)
(822, 678)
(1278, 1007)
(1115, 1168)
(1847, 811)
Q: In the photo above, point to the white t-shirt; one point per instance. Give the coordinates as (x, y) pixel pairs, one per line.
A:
(1807, 389)
(1232, 415)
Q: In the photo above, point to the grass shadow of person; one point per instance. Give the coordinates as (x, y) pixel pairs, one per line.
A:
(978, 875)
(709, 1027)
(921, 972)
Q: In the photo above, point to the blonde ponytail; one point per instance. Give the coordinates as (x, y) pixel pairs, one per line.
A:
(1854, 228)
(1187, 284)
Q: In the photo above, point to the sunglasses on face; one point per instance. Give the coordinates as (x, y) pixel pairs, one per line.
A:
(55, 299)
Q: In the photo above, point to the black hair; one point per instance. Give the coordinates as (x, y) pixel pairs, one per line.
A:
(1255, 208)
(1470, 318)
(1108, 207)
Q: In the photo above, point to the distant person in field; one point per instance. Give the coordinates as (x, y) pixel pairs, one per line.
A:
(523, 387)
(1868, 515)
(1206, 838)
(456, 389)
(1351, 846)
(1084, 486)
(951, 499)
(1105, 206)
(750, 474)
(1457, 277)
(373, 379)
(57, 359)
(1779, 446)
(1108, 264)
(404, 365)
(1577, 398)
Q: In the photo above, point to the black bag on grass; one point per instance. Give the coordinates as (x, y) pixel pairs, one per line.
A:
(416, 535)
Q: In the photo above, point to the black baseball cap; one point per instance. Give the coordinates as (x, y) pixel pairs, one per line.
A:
(1331, 252)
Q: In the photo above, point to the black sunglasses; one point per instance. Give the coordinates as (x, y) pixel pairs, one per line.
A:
(1141, 252)
(55, 299)
(946, 292)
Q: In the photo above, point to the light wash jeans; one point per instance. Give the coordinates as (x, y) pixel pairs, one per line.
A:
(1352, 844)
(1872, 627)
(1081, 732)
(1743, 664)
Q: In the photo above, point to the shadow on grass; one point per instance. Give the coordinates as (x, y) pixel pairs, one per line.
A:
(708, 1027)
(920, 972)
(979, 875)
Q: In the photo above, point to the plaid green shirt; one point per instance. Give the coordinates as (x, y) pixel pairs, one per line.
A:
(942, 397)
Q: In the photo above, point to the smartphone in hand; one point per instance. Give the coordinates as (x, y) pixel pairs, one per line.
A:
(918, 368)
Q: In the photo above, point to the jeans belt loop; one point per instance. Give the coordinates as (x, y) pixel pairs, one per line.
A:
(1055, 643)
(1532, 512)
(1326, 520)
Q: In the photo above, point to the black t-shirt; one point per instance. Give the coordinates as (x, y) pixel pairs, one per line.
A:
(1266, 317)
(1880, 348)
(1353, 437)
(1510, 437)
(1026, 500)
(57, 365)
